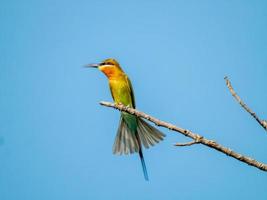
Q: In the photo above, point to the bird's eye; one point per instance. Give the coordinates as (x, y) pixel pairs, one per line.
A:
(109, 63)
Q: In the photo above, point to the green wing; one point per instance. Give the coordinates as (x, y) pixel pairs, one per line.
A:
(131, 90)
(111, 91)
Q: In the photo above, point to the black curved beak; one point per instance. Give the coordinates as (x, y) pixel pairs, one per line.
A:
(92, 65)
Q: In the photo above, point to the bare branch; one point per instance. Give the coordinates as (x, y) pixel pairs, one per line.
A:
(238, 99)
(186, 144)
(196, 137)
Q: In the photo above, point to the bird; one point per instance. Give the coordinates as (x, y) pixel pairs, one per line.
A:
(133, 132)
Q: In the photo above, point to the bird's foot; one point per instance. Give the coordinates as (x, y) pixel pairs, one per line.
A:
(119, 104)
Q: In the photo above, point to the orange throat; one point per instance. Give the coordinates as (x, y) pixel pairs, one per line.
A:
(110, 72)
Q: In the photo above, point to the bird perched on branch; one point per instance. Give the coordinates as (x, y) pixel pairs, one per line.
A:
(133, 132)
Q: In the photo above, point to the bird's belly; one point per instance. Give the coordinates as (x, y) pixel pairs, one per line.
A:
(120, 93)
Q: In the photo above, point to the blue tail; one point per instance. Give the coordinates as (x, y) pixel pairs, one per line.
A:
(143, 164)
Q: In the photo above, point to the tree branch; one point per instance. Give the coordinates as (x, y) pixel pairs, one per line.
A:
(263, 123)
(186, 144)
(196, 137)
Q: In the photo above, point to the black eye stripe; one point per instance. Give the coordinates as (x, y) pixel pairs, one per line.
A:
(106, 63)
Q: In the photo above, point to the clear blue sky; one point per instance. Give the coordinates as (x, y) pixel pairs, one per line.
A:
(56, 139)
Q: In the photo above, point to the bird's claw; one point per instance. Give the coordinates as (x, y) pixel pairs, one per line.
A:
(121, 104)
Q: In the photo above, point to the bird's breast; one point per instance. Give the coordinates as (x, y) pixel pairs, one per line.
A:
(120, 91)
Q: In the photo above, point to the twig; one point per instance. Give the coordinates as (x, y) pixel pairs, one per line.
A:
(238, 99)
(196, 137)
(186, 144)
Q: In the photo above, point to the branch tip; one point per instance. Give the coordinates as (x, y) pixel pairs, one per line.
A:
(243, 105)
(186, 144)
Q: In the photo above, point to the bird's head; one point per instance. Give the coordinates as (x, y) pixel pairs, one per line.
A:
(110, 67)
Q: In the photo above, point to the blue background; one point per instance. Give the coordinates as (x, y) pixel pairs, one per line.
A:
(56, 139)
